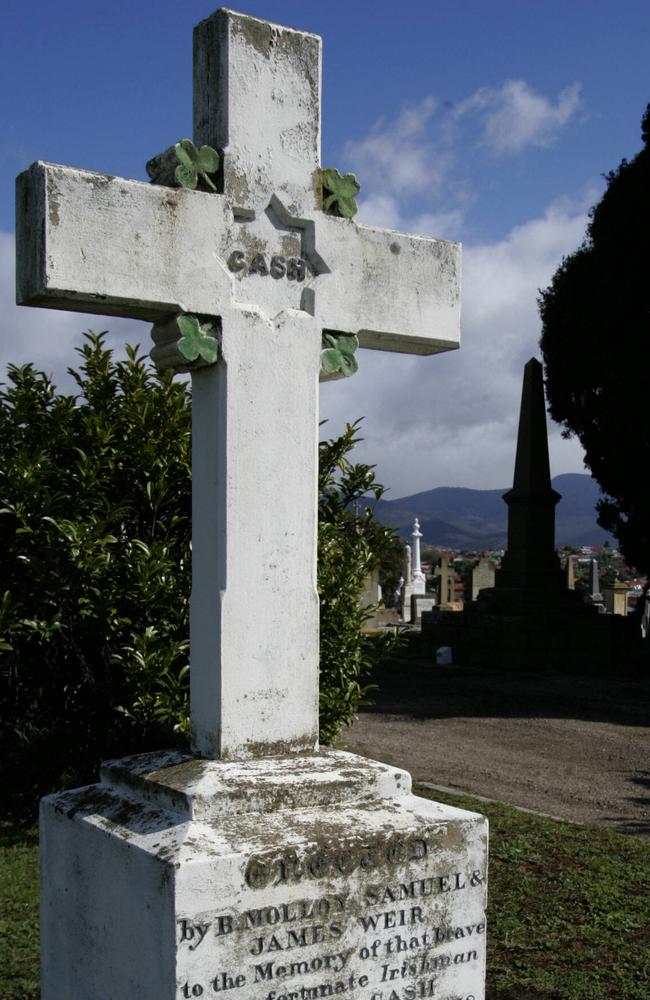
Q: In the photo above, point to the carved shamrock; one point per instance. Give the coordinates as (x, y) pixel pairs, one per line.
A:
(195, 342)
(338, 355)
(195, 164)
(341, 192)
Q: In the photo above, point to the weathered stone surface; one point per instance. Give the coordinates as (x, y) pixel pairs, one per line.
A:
(268, 869)
(273, 271)
(317, 876)
(95, 243)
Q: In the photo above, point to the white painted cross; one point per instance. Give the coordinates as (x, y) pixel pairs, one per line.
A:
(103, 244)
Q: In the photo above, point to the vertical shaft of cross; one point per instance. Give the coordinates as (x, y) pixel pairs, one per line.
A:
(254, 609)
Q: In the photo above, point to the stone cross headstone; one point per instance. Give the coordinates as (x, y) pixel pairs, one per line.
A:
(445, 575)
(275, 271)
(256, 864)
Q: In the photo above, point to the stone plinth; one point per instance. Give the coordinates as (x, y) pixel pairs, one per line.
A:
(317, 874)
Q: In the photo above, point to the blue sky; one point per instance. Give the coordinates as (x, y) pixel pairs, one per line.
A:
(491, 123)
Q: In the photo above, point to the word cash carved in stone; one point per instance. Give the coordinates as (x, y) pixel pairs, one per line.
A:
(278, 266)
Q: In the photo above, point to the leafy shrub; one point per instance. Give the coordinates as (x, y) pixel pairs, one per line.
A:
(95, 569)
(95, 549)
(350, 544)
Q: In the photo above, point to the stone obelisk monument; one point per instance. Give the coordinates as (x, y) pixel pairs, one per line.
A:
(530, 575)
(530, 619)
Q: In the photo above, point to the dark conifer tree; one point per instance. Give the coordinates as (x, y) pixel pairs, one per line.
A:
(596, 348)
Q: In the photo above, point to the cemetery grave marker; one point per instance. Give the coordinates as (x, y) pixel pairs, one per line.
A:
(258, 861)
(273, 271)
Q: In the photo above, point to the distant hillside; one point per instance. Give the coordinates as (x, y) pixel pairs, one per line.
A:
(458, 518)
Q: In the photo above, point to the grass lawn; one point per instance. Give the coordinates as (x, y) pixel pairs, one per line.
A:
(569, 910)
(19, 971)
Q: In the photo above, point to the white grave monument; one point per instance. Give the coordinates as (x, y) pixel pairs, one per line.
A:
(419, 579)
(415, 583)
(257, 864)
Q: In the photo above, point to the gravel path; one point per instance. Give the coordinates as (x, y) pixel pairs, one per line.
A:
(572, 747)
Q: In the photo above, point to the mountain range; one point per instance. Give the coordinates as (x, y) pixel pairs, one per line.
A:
(458, 518)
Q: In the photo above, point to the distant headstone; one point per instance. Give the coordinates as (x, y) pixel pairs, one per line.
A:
(371, 592)
(446, 583)
(482, 576)
(421, 603)
(414, 597)
(371, 600)
(615, 598)
(408, 567)
(595, 595)
(256, 865)
(407, 590)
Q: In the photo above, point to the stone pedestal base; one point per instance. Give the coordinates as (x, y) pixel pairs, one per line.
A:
(297, 878)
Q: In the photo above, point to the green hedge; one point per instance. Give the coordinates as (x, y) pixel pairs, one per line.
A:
(95, 569)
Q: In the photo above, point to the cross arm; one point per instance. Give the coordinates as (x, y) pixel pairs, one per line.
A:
(396, 291)
(94, 243)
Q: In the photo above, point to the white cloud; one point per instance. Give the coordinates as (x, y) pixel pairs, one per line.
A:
(451, 419)
(48, 337)
(380, 210)
(398, 157)
(514, 116)
(419, 171)
(402, 162)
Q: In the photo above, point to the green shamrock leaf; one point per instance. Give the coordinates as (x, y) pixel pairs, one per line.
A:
(330, 361)
(195, 341)
(338, 355)
(342, 191)
(195, 164)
